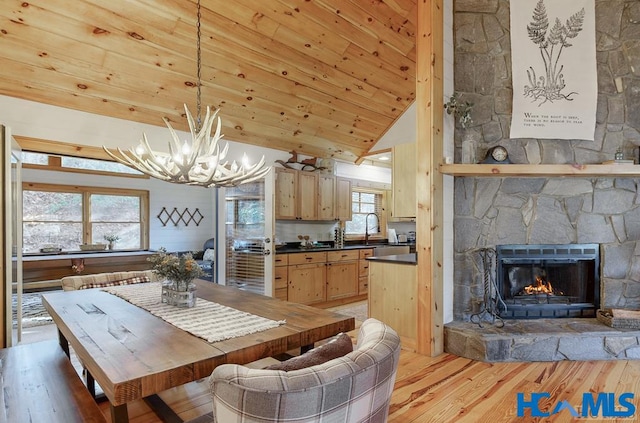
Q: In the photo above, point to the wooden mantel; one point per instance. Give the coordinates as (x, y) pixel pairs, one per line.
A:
(542, 170)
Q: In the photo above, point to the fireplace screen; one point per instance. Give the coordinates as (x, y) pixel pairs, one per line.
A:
(541, 281)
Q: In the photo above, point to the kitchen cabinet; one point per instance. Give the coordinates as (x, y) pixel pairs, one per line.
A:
(307, 276)
(342, 274)
(326, 197)
(393, 298)
(343, 199)
(311, 196)
(280, 277)
(323, 278)
(363, 270)
(286, 194)
(308, 196)
(403, 183)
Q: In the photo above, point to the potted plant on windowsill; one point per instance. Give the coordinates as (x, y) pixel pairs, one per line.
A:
(112, 239)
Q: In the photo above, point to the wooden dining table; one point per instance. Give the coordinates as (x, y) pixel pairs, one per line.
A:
(132, 354)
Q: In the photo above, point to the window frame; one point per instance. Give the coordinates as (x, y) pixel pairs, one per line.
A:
(382, 215)
(56, 149)
(86, 192)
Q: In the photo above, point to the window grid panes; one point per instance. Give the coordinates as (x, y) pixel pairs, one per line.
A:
(55, 218)
(362, 204)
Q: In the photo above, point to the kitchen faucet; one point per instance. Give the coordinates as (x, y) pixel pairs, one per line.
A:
(366, 227)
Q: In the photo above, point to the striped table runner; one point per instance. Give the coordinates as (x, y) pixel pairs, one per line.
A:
(207, 320)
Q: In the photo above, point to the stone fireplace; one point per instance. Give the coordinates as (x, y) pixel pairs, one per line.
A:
(548, 281)
(536, 215)
(497, 210)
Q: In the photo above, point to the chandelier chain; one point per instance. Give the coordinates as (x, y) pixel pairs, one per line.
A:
(199, 74)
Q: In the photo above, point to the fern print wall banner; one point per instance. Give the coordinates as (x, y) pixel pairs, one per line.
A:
(555, 81)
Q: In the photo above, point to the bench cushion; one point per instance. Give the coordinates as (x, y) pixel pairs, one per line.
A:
(71, 283)
(128, 281)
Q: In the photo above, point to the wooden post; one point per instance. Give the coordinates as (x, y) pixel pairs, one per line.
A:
(429, 222)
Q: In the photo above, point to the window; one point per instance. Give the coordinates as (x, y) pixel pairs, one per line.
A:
(68, 216)
(77, 164)
(363, 203)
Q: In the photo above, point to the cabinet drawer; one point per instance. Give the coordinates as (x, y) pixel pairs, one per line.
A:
(363, 268)
(281, 294)
(366, 253)
(363, 285)
(342, 255)
(281, 260)
(280, 277)
(306, 258)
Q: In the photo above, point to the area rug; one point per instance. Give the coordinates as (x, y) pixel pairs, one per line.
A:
(358, 311)
(33, 312)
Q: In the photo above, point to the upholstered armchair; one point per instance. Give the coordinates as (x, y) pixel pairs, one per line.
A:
(353, 388)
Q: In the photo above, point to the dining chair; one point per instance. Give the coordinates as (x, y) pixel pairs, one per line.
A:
(353, 388)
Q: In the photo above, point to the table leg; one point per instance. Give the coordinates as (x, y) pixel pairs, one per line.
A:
(119, 414)
(63, 343)
(305, 348)
(90, 382)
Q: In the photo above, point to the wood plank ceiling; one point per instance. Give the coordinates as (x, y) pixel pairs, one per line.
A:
(325, 78)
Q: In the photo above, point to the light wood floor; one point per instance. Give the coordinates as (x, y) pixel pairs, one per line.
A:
(448, 388)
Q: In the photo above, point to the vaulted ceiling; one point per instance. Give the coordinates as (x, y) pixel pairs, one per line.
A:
(325, 78)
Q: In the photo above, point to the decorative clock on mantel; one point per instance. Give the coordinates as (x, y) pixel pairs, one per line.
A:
(497, 155)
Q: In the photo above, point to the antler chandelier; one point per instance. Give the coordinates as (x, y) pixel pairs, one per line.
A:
(195, 162)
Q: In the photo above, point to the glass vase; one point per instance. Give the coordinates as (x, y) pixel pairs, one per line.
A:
(179, 293)
(468, 148)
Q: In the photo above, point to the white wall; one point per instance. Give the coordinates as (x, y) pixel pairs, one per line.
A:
(38, 120)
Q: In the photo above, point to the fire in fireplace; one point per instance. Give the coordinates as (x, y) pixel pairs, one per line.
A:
(542, 281)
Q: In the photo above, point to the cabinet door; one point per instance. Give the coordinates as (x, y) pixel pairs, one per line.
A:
(286, 194)
(307, 283)
(280, 282)
(307, 196)
(342, 279)
(326, 197)
(343, 199)
(404, 180)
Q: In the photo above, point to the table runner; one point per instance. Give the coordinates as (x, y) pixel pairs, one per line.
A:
(207, 320)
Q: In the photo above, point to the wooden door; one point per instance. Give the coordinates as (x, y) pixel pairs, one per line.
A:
(343, 199)
(307, 283)
(307, 196)
(286, 194)
(326, 197)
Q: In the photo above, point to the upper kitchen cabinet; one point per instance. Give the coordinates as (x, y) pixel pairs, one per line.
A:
(404, 202)
(343, 199)
(311, 196)
(286, 194)
(326, 197)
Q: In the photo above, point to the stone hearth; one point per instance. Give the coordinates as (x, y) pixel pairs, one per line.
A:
(542, 340)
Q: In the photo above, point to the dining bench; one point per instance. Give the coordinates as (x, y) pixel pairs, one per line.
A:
(39, 384)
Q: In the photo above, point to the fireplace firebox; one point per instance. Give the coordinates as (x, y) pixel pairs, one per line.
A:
(545, 281)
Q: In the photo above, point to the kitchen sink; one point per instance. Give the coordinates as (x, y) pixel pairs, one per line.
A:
(389, 250)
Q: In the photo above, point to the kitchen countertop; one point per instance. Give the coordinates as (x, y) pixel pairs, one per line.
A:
(289, 250)
(397, 259)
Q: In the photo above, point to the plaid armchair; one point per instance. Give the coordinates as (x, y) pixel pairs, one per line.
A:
(354, 388)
